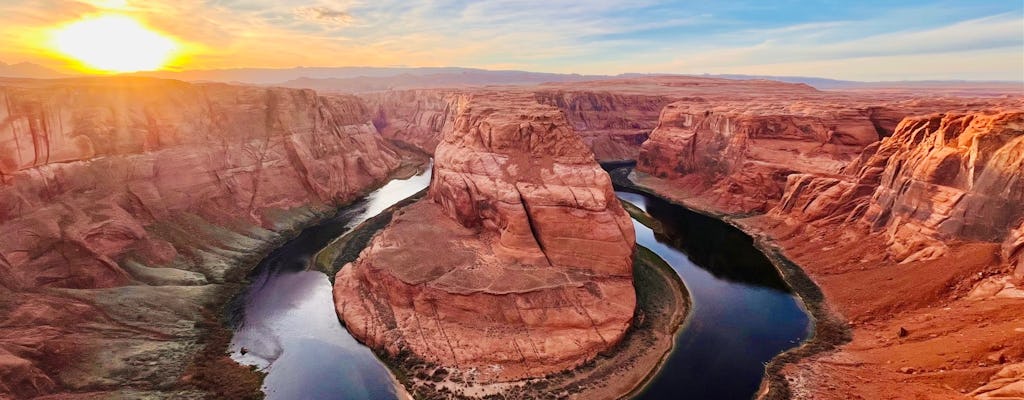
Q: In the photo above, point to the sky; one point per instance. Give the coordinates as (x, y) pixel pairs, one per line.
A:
(857, 40)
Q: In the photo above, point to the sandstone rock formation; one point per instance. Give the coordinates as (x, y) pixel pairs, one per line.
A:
(906, 224)
(127, 204)
(744, 152)
(517, 264)
(1013, 251)
(416, 117)
(938, 178)
(613, 125)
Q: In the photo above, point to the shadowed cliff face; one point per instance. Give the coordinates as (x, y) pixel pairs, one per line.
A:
(613, 125)
(1013, 250)
(150, 194)
(736, 154)
(519, 261)
(416, 117)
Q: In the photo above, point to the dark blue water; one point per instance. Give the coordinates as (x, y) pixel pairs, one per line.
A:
(742, 314)
(285, 320)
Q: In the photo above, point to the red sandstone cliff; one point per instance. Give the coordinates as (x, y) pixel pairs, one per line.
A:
(613, 117)
(518, 264)
(939, 178)
(914, 239)
(126, 205)
(613, 125)
(416, 117)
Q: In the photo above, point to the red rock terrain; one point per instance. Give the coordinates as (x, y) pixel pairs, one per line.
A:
(132, 207)
(517, 264)
(613, 125)
(415, 117)
(914, 239)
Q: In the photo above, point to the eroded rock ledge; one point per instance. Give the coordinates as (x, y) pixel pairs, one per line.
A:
(939, 178)
(915, 239)
(518, 263)
(131, 208)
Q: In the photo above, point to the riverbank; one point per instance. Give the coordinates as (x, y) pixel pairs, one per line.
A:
(662, 305)
(212, 371)
(829, 329)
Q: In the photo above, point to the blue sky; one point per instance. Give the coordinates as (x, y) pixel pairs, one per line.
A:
(864, 40)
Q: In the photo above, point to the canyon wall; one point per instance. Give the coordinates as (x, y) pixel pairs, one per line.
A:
(908, 220)
(739, 154)
(938, 178)
(415, 117)
(127, 203)
(517, 264)
(613, 125)
(1013, 250)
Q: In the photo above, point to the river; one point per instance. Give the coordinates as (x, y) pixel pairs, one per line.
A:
(742, 312)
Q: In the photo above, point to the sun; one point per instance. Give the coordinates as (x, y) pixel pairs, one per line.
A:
(114, 43)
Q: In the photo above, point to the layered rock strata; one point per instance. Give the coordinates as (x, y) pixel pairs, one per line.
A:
(739, 154)
(127, 205)
(939, 178)
(915, 239)
(613, 125)
(416, 117)
(516, 265)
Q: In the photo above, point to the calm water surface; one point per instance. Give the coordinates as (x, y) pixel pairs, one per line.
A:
(743, 314)
(286, 320)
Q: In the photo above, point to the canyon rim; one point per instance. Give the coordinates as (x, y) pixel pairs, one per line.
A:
(707, 201)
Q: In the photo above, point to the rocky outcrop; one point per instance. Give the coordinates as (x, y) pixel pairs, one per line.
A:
(126, 204)
(517, 264)
(1013, 251)
(613, 125)
(416, 117)
(914, 239)
(741, 154)
(939, 178)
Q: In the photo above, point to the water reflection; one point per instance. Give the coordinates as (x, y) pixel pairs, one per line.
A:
(286, 324)
(720, 248)
(742, 314)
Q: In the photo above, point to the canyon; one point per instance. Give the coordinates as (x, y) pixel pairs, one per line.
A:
(517, 264)
(913, 238)
(134, 208)
(903, 206)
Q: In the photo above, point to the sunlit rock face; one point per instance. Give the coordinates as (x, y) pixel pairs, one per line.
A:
(152, 189)
(517, 264)
(612, 125)
(740, 153)
(938, 178)
(1013, 251)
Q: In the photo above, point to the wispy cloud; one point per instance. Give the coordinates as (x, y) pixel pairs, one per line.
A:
(324, 15)
(599, 36)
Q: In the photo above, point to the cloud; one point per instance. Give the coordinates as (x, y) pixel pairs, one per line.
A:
(324, 14)
(598, 36)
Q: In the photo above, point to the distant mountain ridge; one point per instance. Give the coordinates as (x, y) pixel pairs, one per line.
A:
(450, 75)
(28, 70)
(366, 79)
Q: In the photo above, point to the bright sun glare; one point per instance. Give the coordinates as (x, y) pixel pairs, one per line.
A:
(114, 43)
